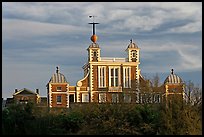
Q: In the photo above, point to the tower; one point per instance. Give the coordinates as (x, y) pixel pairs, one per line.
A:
(133, 57)
(57, 91)
(133, 52)
(174, 86)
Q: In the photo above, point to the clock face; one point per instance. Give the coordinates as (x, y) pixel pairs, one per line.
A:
(134, 54)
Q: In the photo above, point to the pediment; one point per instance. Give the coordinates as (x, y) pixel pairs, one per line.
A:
(25, 92)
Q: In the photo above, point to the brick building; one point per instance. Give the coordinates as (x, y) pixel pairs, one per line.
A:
(111, 80)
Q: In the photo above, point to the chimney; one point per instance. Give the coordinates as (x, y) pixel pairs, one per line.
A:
(16, 90)
(37, 91)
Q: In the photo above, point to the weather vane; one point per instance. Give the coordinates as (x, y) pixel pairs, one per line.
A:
(93, 24)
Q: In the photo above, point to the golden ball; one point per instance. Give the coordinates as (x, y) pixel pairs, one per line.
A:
(94, 38)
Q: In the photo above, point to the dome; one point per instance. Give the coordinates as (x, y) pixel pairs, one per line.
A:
(132, 45)
(58, 78)
(173, 79)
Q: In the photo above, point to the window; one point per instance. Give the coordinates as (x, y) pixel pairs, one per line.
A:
(71, 98)
(114, 77)
(85, 97)
(102, 97)
(126, 77)
(127, 98)
(94, 53)
(101, 76)
(59, 88)
(133, 54)
(157, 98)
(59, 99)
(115, 98)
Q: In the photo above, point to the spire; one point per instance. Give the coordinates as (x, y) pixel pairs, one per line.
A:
(93, 37)
(57, 71)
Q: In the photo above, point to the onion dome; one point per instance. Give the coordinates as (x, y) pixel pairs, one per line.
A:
(58, 77)
(173, 79)
(132, 45)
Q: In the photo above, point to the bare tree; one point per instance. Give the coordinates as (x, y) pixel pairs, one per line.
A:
(193, 93)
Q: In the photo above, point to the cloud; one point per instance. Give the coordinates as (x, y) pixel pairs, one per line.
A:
(38, 36)
(188, 28)
(23, 29)
(135, 16)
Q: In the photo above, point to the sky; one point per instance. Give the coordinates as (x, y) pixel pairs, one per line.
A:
(38, 36)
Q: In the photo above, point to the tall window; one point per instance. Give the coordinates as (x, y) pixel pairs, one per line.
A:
(85, 97)
(102, 76)
(115, 98)
(71, 97)
(156, 98)
(127, 98)
(102, 97)
(59, 99)
(126, 77)
(114, 76)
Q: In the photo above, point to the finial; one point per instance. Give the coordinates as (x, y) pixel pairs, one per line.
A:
(172, 71)
(93, 37)
(57, 71)
(130, 40)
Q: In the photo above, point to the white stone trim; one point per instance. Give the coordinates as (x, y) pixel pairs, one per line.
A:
(67, 105)
(114, 63)
(78, 82)
(50, 95)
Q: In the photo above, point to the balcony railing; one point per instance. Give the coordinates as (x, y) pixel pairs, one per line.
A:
(115, 89)
(107, 59)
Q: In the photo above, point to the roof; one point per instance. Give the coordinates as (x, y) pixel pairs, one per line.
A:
(94, 45)
(173, 79)
(132, 45)
(58, 77)
(25, 91)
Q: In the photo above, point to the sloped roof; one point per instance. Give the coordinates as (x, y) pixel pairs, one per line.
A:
(25, 91)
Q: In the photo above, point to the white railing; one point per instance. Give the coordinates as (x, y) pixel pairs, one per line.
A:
(115, 89)
(107, 59)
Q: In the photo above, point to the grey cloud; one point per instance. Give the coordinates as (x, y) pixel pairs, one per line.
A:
(39, 36)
